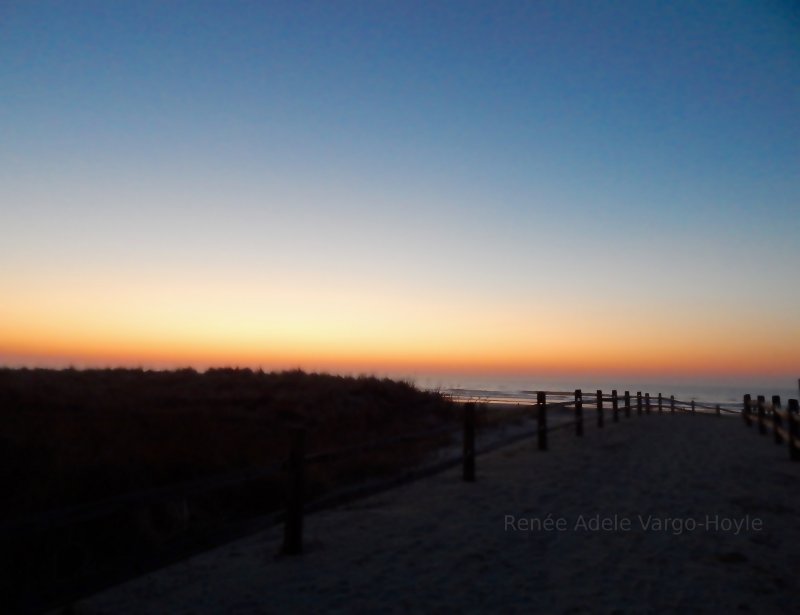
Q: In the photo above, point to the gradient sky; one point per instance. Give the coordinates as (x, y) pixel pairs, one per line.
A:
(521, 187)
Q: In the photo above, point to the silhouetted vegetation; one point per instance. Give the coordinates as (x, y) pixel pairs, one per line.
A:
(75, 437)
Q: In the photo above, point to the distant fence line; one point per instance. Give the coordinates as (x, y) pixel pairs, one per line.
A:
(561, 395)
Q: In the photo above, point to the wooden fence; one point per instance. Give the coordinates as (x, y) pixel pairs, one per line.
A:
(546, 401)
(783, 423)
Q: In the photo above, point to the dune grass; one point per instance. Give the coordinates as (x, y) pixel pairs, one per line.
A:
(84, 437)
(70, 436)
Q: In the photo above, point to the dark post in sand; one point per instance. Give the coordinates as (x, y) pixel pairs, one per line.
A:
(776, 418)
(746, 411)
(578, 412)
(600, 421)
(469, 442)
(615, 405)
(762, 422)
(627, 404)
(295, 478)
(794, 430)
(541, 402)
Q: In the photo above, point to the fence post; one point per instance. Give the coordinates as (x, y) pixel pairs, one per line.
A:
(469, 442)
(295, 479)
(746, 411)
(692, 406)
(672, 403)
(615, 405)
(762, 423)
(660, 404)
(794, 430)
(600, 421)
(541, 402)
(719, 411)
(639, 403)
(776, 418)
(647, 403)
(578, 412)
(627, 404)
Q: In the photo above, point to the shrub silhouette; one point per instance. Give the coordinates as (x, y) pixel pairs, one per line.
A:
(71, 436)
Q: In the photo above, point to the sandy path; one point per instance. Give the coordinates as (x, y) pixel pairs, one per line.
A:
(443, 545)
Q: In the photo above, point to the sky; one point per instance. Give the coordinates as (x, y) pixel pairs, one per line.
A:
(540, 187)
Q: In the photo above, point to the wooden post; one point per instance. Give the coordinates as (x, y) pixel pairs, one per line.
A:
(647, 403)
(794, 430)
(627, 404)
(600, 421)
(776, 418)
(660, 404)
(541, 402)
(295, 487)
(578, 413)
(762, 423)
(615, 405)
(719, 411)
(672, 404)
(746, 411)
(692, 406)
(639, 403)
(469, 442)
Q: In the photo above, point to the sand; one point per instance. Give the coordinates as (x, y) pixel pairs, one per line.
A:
(442, 545)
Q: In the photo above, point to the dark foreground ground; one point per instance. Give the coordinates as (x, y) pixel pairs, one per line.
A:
(108, 473)
(659, 513)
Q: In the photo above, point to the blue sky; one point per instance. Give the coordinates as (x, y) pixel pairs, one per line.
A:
(451, 151)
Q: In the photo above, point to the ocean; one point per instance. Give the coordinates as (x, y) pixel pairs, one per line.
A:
(728, 394)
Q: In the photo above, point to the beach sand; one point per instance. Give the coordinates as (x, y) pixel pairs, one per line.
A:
(441, 545)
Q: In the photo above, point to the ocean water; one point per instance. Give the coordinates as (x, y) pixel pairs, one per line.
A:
(728, 394)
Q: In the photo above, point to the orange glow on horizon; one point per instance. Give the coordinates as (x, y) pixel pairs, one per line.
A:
(636, 360)
(344, 329)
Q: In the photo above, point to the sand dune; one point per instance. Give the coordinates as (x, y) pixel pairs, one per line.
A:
(711, 526)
